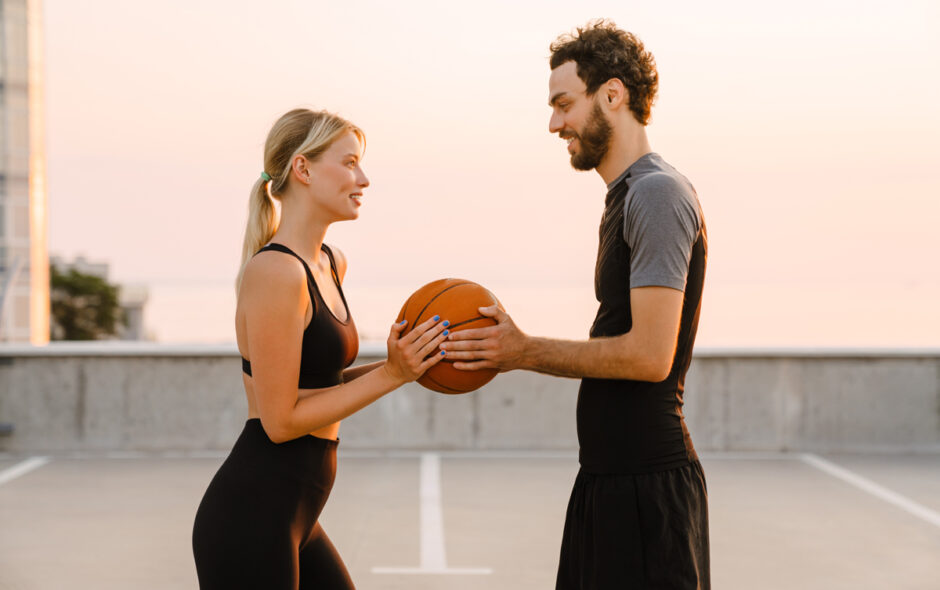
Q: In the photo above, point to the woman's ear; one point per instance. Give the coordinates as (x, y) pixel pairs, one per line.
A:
(300, 169)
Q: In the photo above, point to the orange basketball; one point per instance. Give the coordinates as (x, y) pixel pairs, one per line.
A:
(457, 301)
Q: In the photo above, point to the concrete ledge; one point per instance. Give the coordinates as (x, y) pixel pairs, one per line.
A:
(105, 348)
(377, 349)
(151, 397)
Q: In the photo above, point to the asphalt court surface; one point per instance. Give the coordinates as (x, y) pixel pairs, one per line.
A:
(475, 520)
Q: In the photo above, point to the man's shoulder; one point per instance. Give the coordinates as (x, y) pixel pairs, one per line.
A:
(658, 176)
(660, 193)
(659, 182)
(661, 188)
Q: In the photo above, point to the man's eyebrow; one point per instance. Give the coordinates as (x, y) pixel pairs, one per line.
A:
(555, 98)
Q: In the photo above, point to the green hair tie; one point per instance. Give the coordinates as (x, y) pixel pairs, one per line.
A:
(265, 176)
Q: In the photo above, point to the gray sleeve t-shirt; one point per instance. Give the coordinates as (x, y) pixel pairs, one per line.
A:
(662, 221)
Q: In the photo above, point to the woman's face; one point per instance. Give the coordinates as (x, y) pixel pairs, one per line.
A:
(337, 179)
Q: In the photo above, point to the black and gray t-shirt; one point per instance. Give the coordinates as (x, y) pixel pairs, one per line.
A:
(652, 234)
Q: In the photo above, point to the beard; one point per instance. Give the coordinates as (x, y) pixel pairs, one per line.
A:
(594, 140)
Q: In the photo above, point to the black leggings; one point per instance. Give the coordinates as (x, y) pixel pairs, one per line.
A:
(256, 526)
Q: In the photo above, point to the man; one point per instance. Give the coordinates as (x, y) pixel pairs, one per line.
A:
(637, 517)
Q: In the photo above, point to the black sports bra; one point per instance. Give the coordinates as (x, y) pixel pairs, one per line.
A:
(328, 345)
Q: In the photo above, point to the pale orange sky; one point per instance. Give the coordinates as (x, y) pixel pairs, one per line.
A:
(809, 131)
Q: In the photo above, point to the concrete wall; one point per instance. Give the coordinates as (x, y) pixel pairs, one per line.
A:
(91, 397)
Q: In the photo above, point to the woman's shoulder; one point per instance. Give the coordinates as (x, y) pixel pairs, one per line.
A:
(274, 271)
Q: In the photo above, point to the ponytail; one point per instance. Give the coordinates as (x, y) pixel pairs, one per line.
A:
(263, 220)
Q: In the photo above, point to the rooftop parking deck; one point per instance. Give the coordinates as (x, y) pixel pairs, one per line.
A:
(485, 520)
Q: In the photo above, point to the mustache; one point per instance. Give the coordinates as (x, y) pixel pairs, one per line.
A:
(567, 134)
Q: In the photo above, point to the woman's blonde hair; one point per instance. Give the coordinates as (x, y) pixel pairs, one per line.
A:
(298, 132)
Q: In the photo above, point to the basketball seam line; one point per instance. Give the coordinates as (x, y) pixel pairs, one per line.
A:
(458, 324)
(439, 384)
(423, 309)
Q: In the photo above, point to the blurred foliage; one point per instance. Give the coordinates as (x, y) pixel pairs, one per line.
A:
(84, 306)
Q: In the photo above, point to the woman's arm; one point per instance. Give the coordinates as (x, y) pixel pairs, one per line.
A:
(353, 373)
(408, 360)
(348, 375)
(274, 292)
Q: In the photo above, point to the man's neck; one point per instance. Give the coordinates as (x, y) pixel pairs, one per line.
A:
(627, 145)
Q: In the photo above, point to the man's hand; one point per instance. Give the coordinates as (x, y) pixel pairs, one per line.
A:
(496, 347)
(645, 353)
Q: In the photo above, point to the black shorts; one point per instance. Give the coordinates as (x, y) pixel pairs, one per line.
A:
(636, 531)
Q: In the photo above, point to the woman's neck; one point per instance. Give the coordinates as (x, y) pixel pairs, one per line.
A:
(305, 239)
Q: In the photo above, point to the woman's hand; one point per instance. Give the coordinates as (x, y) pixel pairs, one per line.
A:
(409, 356)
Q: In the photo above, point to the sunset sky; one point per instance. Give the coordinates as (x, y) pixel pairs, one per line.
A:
(809, 130)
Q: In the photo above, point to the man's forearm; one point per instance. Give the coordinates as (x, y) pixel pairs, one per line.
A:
(619, 357)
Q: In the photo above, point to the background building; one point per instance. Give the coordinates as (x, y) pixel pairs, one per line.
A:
(24, 265)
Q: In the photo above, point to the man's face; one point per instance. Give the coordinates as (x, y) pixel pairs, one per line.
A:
(577, 118)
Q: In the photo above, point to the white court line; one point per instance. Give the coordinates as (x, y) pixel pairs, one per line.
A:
(22, 468)
(881, 492)
(433, 554)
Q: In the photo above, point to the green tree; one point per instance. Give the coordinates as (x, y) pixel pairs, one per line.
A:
(84, 307)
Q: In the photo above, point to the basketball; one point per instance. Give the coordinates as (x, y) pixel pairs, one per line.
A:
(457, 301)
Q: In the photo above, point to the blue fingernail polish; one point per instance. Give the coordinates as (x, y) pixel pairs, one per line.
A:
(446, 323)
(437, 317)
(402, 323)
(446, 332)
(443, 352)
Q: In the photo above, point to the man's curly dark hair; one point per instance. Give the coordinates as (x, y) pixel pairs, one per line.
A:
(602, 52)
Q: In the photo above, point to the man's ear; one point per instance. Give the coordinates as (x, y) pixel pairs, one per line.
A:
(615, 93)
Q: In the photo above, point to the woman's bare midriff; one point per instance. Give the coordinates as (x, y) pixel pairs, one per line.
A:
(330, 431)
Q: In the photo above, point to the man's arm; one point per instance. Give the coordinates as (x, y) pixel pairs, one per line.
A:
(645, 353)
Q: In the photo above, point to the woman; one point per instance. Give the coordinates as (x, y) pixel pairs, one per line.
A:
(256, 526)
